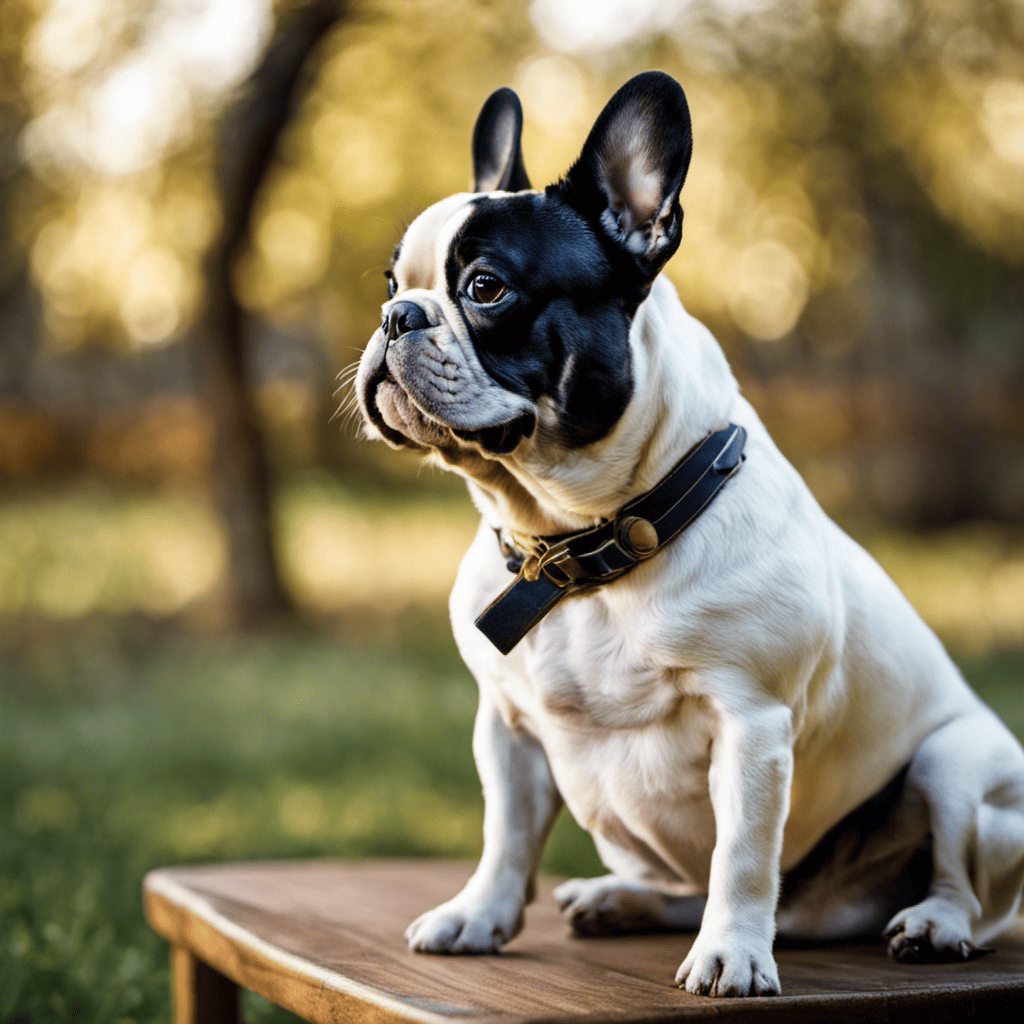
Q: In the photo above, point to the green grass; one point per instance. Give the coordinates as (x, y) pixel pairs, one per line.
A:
(121, 751)
(118, 754)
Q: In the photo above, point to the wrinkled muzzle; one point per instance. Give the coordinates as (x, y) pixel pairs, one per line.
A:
(421, 386)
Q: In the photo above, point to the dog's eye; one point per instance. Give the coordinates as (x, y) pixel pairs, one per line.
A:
(392, 284)
(485, 289)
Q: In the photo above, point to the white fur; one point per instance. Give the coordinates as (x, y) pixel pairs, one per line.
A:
(710, 715)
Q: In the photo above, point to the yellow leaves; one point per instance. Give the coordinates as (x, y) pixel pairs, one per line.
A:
(70, 35)
(106, 258)
(964, 135)
(770, 290)
(749, 213)
(875, 24)
(358, 157)
(554, 93)
(292, 240)
(1002, 119)
(188, 218)
(151, 302)
(295, 243)
(773, 194)
(114, 91)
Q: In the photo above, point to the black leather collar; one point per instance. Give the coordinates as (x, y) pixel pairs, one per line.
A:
(568, 562)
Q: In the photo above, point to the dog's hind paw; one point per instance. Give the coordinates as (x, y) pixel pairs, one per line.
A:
(931, 932)
(613, 906)
(610, 906)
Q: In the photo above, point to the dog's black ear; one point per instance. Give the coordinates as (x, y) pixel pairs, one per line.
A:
(497, 158)
(627, 180)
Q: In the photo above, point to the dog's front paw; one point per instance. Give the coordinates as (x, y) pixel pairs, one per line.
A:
(466, 925)
(727, 966)
(931, 932)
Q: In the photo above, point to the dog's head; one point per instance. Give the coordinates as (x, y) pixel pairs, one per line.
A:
(510, 309)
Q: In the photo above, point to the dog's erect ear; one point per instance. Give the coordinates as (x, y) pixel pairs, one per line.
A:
(497, 158)
(627, 180)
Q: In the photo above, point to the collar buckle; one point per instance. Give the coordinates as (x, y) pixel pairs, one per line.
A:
(536, 563)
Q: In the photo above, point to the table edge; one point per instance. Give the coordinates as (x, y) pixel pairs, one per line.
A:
(158, 887)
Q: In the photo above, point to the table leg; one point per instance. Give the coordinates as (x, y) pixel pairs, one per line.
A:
(201, 995)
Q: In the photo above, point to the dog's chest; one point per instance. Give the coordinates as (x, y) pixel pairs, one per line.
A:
(628, 741)
(594, 679)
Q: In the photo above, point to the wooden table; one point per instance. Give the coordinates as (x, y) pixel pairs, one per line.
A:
(324, 940)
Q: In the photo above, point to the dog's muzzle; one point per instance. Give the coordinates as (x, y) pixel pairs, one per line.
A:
(421, 385)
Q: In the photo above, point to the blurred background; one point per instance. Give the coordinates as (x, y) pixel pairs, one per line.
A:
(222, 615)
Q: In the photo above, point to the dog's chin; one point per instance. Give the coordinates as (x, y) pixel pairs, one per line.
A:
(405, 424)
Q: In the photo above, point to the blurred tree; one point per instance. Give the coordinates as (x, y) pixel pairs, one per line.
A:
(249, 137)
(15, 19)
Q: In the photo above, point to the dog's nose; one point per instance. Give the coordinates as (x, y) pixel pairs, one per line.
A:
(402, 318)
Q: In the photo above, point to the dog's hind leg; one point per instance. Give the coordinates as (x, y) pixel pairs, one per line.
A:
(970, 775)
(868, 866)
(610, 905)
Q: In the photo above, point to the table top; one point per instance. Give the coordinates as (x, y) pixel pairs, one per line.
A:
(324, 939)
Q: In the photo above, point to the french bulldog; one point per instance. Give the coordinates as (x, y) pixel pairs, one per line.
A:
(757, 729)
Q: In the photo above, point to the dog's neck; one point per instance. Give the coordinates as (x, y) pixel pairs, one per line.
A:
(683, 390)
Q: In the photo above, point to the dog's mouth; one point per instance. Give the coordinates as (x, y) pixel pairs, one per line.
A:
(404, 424)
(395, 415)
(504, 438)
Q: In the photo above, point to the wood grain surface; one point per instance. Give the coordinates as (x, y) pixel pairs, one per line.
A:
(324, 940)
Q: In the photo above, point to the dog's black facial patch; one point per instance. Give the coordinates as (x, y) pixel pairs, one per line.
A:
(559, 328)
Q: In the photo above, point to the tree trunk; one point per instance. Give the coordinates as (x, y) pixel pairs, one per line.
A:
(242, 479)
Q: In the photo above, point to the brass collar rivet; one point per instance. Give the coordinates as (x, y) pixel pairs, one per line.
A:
(638, 536)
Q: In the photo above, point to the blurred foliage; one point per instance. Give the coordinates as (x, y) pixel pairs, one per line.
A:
(100, 551)
(120, 753)
(810, 119)
(858, 171)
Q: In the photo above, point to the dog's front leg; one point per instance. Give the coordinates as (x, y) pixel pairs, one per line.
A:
(520, 805)
(749, 779)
